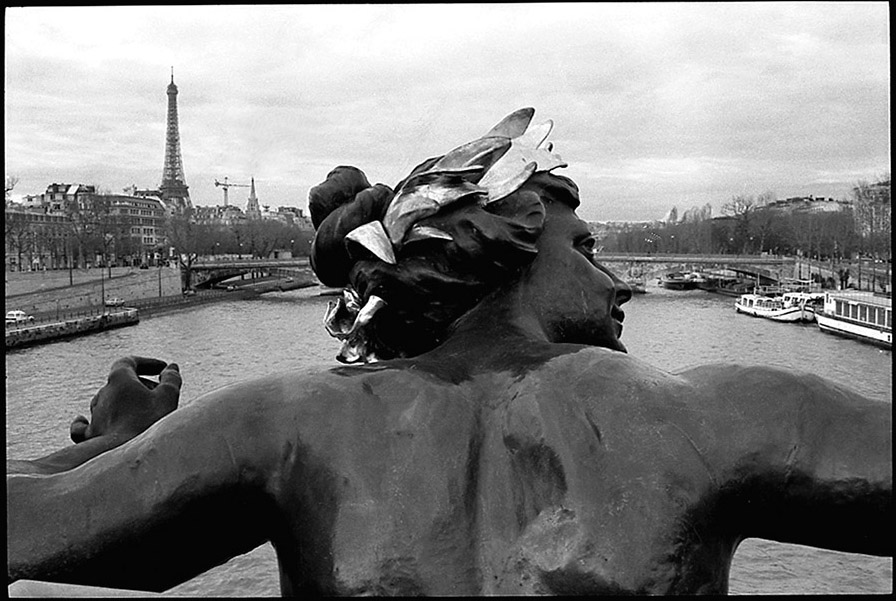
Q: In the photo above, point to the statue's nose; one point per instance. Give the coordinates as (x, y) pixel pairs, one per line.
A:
(623, 291)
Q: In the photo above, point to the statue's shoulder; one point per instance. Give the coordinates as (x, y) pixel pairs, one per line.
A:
(327, 384)
(597, 373)
(751, 378)
(600, 363)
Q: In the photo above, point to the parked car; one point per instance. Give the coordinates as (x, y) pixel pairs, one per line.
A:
(18, 317)
(114, 301)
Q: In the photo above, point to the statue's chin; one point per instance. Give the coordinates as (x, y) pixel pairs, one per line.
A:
(617, 345)
(614, 344)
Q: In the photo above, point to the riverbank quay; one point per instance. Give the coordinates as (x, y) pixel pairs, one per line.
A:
(152, 307)
(60, 294)
(56, 323)
(19, 336)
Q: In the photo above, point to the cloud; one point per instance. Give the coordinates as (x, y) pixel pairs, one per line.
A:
(654, 104)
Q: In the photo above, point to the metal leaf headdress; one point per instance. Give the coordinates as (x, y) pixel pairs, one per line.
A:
(491, 167)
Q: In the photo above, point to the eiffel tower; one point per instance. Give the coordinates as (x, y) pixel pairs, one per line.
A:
(174, 190)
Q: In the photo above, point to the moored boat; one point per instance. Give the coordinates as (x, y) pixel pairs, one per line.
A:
(735, 288)
(860, 315)
(637, 285)
(678, 281)
(772, 307)
(810, 302)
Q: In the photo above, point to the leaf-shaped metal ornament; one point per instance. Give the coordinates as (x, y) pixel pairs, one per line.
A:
(356, 340)
(508, 181)
(514, 124)
(424, 196)
(470, 174)
(535, 135)
(513, 169)
(341, 314)
(483, 152)
(373, 237)
(426, 232)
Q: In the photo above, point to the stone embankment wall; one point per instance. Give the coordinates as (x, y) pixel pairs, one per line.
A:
(50, 294)
(26, 335)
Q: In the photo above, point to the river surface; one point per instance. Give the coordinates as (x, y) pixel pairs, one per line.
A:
(46, 386)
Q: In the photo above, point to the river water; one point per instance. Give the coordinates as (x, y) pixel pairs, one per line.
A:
(217, 344)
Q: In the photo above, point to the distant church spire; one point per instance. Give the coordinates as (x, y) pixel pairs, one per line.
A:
(174, 187)
(252, 209)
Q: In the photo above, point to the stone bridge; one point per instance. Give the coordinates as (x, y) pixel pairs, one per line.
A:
(208, 272)
(655, 265)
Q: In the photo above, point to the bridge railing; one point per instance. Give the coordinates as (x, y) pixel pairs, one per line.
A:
(686, 258)
(228, 262)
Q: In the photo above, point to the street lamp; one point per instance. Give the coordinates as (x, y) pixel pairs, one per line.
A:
(107, 238)
(68, 244)
(102, 291)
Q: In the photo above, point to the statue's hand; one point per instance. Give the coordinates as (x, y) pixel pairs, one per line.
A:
(129, 404)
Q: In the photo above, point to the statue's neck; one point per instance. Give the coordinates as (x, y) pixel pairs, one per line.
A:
(499, 335)
(500, 319)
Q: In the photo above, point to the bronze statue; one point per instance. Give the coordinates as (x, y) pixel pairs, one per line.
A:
(489, 434)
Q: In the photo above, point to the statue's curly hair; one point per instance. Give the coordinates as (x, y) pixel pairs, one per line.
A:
(434, 281)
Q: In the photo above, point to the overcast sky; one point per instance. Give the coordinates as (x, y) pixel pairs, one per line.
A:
(654, 105)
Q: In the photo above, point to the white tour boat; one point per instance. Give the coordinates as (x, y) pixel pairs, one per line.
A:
(862, 315)
(793, 309)
(810, 302)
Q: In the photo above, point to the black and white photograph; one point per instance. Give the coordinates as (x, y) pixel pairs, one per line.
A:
(448, 299)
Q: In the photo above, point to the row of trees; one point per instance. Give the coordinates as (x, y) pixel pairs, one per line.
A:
(251, 238)
(749, 226)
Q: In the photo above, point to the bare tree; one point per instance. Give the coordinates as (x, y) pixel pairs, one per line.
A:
(8, 186)
(741, 209)
(17, 233)
(189, 239)
(871, 207)
(762, 220)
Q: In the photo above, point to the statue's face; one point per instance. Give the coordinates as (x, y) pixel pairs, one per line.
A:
(576, 299)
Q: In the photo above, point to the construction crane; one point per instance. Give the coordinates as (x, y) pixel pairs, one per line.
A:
(226, 185)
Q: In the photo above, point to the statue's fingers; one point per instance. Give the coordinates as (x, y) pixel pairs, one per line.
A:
(146, 366)
(123, 365)
(171, 376)
(151, 384)
(170, 383)
(129, 367)
(78, 429)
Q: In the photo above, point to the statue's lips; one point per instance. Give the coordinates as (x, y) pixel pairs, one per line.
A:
(618, 316)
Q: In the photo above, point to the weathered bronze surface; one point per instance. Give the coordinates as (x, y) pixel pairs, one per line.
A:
(525, 452)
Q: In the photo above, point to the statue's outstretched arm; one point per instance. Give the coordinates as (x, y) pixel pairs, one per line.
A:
(187, 494)
(127, 405)
(802, 460)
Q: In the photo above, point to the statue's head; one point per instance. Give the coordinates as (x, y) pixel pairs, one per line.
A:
(458, 227)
